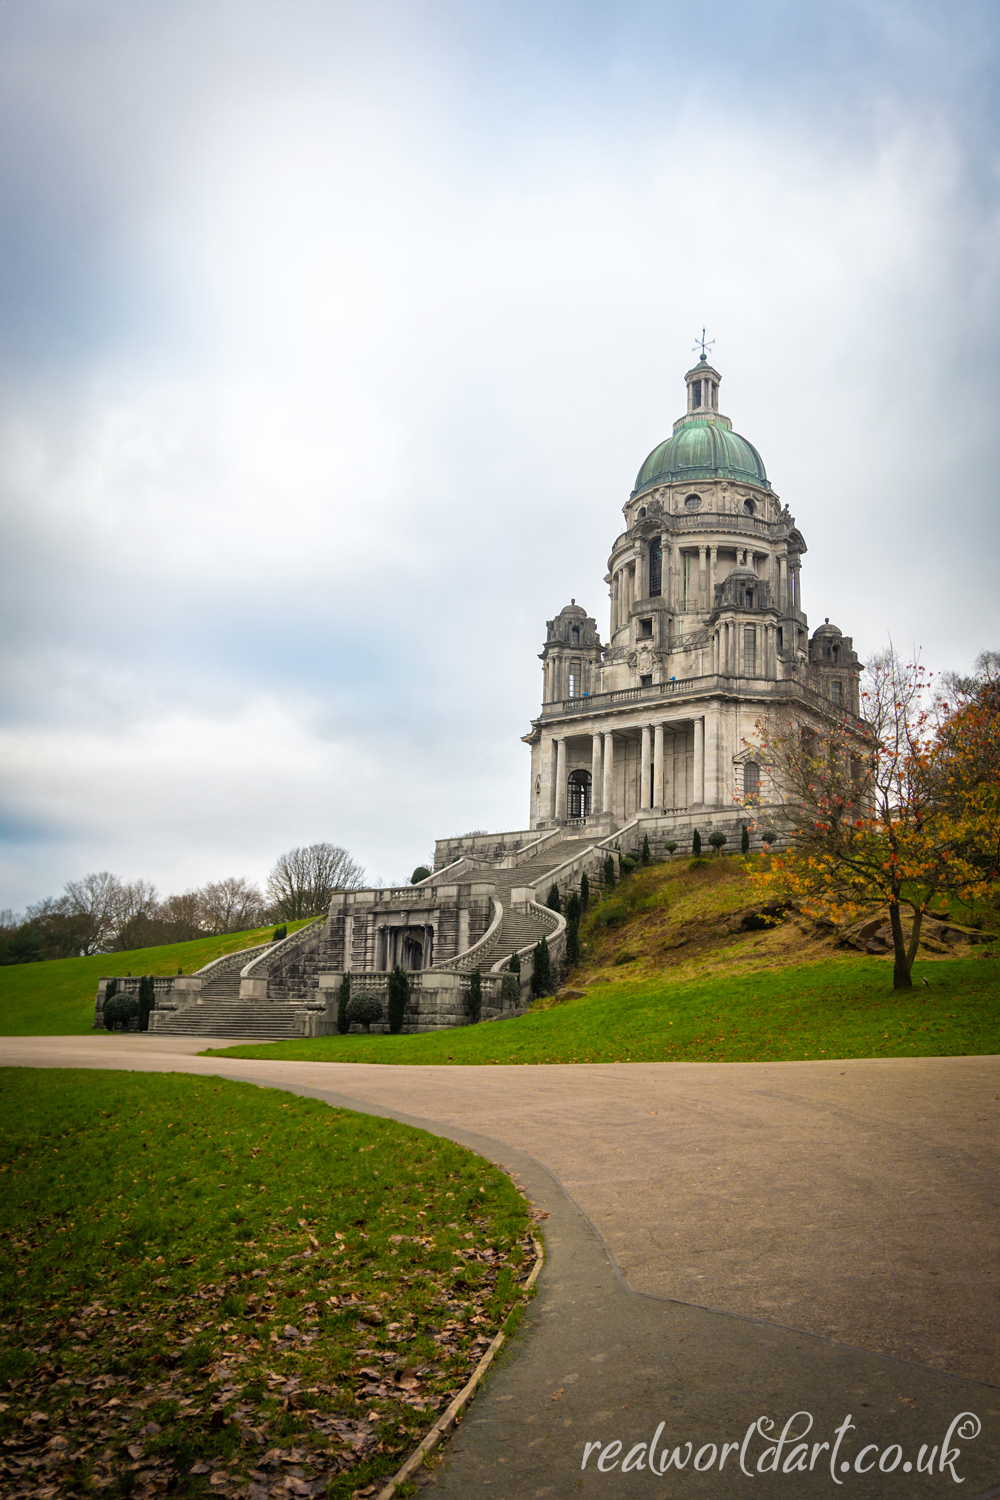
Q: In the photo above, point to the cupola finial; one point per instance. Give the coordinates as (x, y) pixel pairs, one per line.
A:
(703, 345)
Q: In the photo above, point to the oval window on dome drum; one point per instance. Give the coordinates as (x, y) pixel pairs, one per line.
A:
(692, 502)
(749, 508)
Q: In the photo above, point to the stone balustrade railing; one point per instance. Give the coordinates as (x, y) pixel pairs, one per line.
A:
(230, 961)
(256, 968)
(465, 962)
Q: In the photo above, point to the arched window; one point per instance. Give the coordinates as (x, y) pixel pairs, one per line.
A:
(751, 779)
(642, 511)
(692, 502)
(579, 794)
(574, 636)
(655, 569)
(749, 508)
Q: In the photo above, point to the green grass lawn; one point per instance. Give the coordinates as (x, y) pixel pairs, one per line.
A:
(56, 998)
(202, 1280)
(827, 1009)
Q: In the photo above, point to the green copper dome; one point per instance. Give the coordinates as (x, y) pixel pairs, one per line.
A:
(703, 450)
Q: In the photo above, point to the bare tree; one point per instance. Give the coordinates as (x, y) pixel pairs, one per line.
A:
(303, 881)
(97, 898)
(137, 921)
(231, 905)
(182, 915)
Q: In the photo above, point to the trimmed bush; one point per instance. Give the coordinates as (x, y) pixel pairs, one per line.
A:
(645, 856)
(745, 840)
(147, 1000)
(626, 864)
(574, 908)
(554, 903)
(670, 846)
(399, 995)
(717, 838)
(120, 1010)
(420, 873)
(541, 973)
(510, 992)
(343, 999)
(111, 989)
(280, 933)
(696, 844)
(609, 872)
(475, 996)
(363, 1010)
(573, 942)
(514, 963)
(768, 837)
(584, 891)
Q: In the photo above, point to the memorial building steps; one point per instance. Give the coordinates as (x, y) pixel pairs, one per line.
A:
(242, 1020)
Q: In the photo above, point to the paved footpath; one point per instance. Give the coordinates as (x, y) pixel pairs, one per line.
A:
(726, 1242)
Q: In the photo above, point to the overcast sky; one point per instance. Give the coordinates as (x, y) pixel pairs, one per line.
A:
(332, 338)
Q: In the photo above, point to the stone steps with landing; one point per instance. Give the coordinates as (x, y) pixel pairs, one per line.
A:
(243, 1020)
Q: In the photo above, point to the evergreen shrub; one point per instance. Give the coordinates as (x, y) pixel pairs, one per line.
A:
(573, 942)
(120, 1010)
(514, 963)
(279, 933)
(584, 891)
(554, 903)
(541, 973)
(609, 872)
(363, 1009)
(644, 857)
(574, 908)
(343, 999)
(670, 845)
(399, 995)
(696, 844)
(745, 840)
(420, 873)
(717, 838)
(147, 1000)
(768, 837)
(626, 864)
(510, 991)
(475, 996)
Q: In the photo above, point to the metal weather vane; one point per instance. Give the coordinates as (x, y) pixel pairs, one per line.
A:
(702, 345)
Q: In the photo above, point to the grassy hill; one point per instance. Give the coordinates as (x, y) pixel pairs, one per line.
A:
(56, 998)
(677, 967)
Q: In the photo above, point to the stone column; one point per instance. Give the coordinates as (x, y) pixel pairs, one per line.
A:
(614, 602)
(553, 760)
(710, 794)
(642, 571)
(644, 771)
(702, 578)
(665, 560)
(699, 762)
(797, 583)
(658, 765)
(561, 779)
(596, 788)
(713, 558)
(783, 582)
(608, 798)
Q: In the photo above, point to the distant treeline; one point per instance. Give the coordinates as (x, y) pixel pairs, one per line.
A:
(103, 914)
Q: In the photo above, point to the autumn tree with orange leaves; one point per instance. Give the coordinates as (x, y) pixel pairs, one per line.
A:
(889, 811)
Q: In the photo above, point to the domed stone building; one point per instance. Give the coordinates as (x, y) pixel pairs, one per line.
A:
(706, 633)
(650, 735)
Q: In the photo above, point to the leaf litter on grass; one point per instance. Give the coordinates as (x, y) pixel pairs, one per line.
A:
(297, 1350)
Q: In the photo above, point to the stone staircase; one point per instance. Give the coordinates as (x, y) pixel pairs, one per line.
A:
(241, 1020)
(520, 929)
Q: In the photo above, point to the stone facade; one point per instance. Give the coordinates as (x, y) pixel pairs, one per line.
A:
(707, 635)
